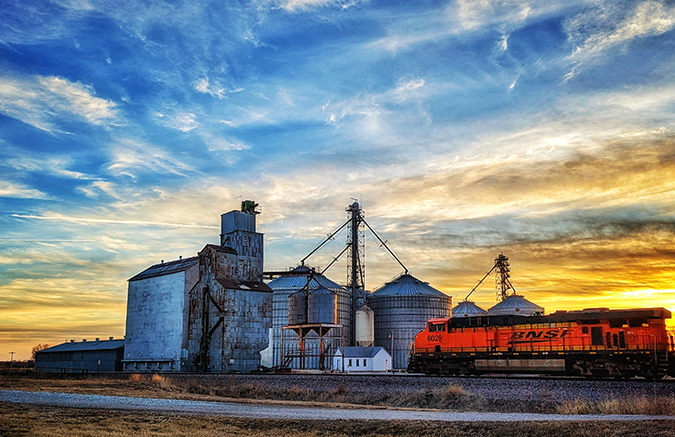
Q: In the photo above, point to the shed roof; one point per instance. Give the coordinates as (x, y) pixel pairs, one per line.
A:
(361, 352)
(166, 268)
(81, 346)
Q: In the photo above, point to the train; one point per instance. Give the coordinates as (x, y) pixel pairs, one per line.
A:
(594, 342)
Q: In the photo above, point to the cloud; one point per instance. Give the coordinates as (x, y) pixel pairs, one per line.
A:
(222, 145)
(131, 157)
(310, 5)
(55, 165)
(596, 31)
(46, 102)
(182, 121)
(19, 191)
(59, 217)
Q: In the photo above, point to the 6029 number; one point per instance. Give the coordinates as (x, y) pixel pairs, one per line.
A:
(436, 337)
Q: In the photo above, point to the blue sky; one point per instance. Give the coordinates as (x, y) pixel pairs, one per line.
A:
(543, 129)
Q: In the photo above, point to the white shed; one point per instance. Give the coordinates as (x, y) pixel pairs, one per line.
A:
(362, 359)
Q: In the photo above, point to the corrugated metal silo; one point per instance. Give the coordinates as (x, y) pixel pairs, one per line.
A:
(297, 308)
(291, 283)
(401, 308)
(322, 306)
(466, 308)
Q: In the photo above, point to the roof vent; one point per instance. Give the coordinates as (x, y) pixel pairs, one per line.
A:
(110, 338)
(162, 261)
(98, 339)
(180, 257)
(84, 340)
(72, 340)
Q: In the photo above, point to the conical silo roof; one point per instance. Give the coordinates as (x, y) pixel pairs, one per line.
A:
(515, 305)
(406, 285)
(467, 308)
(296, 279)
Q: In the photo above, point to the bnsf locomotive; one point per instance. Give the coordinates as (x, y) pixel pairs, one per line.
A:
(590, 342)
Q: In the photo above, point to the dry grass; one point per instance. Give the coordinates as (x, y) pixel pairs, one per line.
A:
(657, 406)
(451, 397)
(28, 420)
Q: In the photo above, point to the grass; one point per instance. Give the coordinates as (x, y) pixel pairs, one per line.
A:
(29, 420)
(657, 406)
(451, 397)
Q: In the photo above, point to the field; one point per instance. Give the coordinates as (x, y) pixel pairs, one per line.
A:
(43, 420)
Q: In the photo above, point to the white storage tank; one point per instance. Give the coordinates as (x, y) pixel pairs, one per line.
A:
(365, 326)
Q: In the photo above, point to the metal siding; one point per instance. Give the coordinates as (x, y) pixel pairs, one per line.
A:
(402, 308)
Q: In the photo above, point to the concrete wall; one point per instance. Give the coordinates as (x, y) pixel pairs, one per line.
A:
(156, 338)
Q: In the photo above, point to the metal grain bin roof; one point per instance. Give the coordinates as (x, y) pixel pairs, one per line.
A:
(406, 285)
(467, 309)
(515, 304)
(297, 279)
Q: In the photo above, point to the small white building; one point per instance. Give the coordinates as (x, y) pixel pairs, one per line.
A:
(362, 359)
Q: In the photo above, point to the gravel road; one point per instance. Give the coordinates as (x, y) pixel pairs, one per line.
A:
(230, 409)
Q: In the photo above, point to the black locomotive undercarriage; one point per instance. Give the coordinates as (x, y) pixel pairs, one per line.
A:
(613, 364)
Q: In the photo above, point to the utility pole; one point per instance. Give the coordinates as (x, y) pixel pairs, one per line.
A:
(11, 358)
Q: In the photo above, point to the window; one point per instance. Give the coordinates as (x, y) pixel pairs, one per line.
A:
(608, 336)
(364, 363)
(433, 327)
(622, 340)
(596, 336)
(350, 362)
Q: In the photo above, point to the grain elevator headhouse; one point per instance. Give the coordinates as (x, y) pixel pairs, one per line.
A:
(209, 313)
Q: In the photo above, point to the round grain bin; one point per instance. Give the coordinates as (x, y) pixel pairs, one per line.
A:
(322, 307)
(401, 309)
(297, 308)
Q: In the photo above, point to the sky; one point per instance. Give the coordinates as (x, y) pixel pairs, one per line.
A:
(540, 129)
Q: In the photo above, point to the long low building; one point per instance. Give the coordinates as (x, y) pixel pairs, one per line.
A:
(84, 356)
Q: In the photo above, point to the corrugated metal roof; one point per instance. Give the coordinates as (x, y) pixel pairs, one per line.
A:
(166, 268)
(86, 346)
(406, 285)
(297, 279)
(467, 309)
(515, 304)
(223, 249)
(361, 352)
(243, 285)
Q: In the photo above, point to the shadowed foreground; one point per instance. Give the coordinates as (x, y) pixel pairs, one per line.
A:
(34, 420)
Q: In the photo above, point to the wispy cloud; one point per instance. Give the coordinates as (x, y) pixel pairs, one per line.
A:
(59, 217)
(609, 25)
(131, 157)
(47, 102)
(19, 191)
(56, 165)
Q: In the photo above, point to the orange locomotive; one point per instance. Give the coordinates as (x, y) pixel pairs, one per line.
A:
(591, 342)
